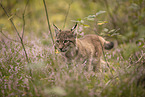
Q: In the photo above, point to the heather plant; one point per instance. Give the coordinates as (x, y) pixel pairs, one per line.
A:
(55, 78)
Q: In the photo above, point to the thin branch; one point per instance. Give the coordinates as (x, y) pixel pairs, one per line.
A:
(21, 40)
(48, 21)
(142, 56)
(134, 63)
(104, 53)
(105, 57)
(103, 50)
(9, 38)
(23, 17)
(10, 20)
(67, 14)
(110, 14)
(49, 27)
(108, 83)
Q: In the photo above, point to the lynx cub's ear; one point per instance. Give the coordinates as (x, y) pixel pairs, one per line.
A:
(74, 30)
(57, 30)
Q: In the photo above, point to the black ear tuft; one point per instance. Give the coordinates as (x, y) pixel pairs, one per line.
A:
(57, 30)
(56, 27)
(73, 29)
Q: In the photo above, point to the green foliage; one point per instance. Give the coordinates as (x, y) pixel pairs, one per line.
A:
(129, 49)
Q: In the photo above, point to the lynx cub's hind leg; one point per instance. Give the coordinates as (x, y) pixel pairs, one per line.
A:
(90, 64)
(96, 64)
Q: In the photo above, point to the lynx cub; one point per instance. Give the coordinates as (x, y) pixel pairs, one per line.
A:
(87, 49)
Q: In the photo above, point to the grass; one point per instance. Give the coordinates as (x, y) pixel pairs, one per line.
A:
(53, 77)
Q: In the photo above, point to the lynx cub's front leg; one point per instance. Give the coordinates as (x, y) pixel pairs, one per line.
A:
(96, 64)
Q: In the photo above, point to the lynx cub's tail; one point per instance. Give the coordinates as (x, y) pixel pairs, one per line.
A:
(106, 44)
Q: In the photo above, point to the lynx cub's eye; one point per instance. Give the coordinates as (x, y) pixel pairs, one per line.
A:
(57, 41)
(65, 41)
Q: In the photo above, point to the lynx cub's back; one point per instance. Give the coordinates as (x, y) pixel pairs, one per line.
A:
(88, 48)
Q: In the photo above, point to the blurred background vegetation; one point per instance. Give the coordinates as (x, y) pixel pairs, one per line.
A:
(123, 20)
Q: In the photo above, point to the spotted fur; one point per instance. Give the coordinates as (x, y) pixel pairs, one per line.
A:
(87, 49)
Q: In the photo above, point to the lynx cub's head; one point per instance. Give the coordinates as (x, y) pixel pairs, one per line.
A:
(65, 40)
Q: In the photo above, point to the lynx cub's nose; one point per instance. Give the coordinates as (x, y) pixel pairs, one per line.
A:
(60, 49)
